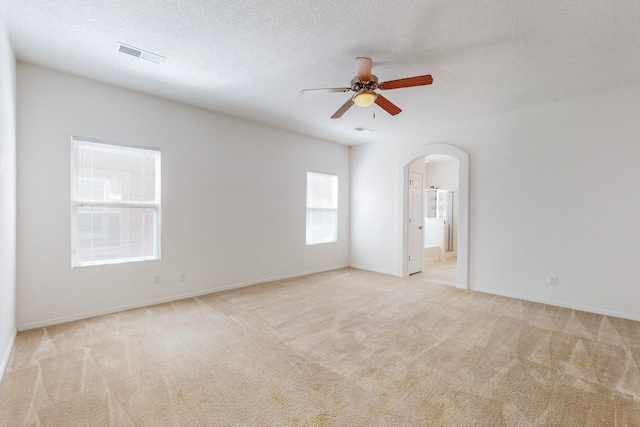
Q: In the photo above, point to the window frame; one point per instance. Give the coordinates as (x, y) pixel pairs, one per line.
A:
(334, 210)
(77, 203)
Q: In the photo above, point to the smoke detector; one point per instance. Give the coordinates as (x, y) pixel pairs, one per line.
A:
(139, 53)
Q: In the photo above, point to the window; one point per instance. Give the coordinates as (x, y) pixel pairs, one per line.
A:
(115, 208)
(322, 208)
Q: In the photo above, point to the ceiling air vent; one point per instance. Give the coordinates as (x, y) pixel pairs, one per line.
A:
(363, 129)
(139, 53)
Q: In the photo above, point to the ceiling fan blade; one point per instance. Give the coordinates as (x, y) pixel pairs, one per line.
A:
(343, 109)
(364, 69)
(408, 82)
(387, 105)
(326, 90)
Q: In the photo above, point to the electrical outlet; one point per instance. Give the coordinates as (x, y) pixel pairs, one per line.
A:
(553, 280)
(183, 276)
(156, 278)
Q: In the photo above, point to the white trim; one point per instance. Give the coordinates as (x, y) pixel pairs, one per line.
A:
(98, 141)
(376, 270)
(114, 261)
(463, 206)
(88, 315)
(333, 209)
(7, 354)
(559, 304)
(408, 182)
(76, 144)
(115, 204)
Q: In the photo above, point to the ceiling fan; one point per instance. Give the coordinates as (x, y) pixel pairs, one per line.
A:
(364, 86)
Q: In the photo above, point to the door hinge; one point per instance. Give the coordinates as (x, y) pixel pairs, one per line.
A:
(409, 257)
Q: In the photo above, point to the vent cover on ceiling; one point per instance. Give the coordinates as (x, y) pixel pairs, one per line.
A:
(139, 53)
(363, 129)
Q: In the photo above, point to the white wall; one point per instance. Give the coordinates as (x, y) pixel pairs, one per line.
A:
(544, 181)
(442, 174)
(373, 211)
(7, 198)
(418, 166)
(233, 198)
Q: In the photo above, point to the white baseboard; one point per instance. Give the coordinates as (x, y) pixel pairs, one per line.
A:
(559, 304)
(375, 270)
(7, 354)
(111, 310)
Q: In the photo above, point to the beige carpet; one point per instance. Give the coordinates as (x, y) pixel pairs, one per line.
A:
(343, 348)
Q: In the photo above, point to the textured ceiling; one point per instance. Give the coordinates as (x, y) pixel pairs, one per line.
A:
(251, 58)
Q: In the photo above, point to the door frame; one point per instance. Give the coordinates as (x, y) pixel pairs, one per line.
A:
(421, 215)
(463, 206)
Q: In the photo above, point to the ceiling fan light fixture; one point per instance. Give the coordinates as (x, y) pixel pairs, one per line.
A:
(365, 98)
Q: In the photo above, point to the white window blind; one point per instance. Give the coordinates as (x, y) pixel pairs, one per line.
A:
(322, 208)
(115, 212)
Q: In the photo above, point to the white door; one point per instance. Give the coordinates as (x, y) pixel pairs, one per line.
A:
(415, 221)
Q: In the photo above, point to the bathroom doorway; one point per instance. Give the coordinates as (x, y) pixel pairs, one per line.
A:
(441, 186)
(446, 212)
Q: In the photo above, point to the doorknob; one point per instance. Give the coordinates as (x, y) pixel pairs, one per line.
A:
(420, 228)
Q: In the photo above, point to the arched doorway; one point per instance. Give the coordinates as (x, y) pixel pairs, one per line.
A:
(463, 213)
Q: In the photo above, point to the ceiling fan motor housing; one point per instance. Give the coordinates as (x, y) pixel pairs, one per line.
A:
(357, 85)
